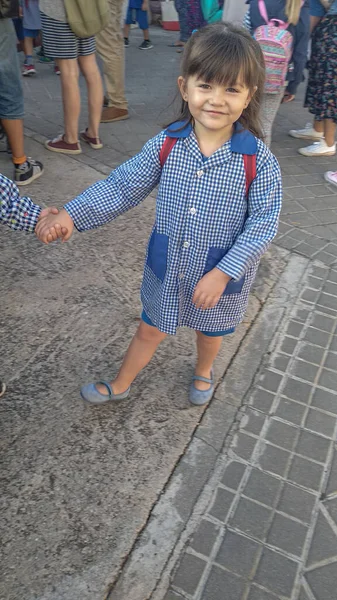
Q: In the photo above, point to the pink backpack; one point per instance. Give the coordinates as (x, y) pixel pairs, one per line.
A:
(276, 44)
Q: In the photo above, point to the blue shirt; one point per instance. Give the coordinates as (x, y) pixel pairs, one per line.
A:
(203, 220)
(15, 211)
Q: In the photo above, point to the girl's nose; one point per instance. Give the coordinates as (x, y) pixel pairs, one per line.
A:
(218, 97)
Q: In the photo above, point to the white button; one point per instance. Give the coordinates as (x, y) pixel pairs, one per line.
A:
(200, 173)
(186, 244)
(181, 275)
(193, 211)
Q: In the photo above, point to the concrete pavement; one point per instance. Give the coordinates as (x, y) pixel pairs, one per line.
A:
(237, 503)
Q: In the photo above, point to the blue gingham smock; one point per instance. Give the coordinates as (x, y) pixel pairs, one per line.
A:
(203, 220)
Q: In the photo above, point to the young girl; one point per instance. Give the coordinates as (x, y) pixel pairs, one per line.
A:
(209, 233)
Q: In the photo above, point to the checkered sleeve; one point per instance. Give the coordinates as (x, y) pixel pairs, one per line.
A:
(126, 186)
(264, 206)
(18, 212)
(246, 23)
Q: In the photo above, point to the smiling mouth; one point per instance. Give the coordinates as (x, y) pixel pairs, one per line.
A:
(216, 112)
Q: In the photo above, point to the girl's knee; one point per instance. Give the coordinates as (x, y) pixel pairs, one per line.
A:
(148, 333)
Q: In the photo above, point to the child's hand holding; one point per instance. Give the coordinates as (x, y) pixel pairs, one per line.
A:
(210, 288)
(51, 227)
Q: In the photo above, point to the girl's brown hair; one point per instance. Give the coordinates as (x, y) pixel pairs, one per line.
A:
(221, 53)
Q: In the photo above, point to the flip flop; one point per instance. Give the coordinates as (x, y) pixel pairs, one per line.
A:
(175, 45)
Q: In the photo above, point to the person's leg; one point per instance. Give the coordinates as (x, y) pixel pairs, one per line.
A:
(314, 22)
(141, 350)
(126, 31)
(318, 126)
(208, 348)
(14, 132)
(110, 46)
(28, 50)
(71, 97)
(90, 70)
(180, 6)
(329, 132)
(269, 108)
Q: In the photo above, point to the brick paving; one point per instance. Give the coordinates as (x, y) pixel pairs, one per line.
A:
(270, 528)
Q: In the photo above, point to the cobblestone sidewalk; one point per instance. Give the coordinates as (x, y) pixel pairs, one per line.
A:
(270, 528)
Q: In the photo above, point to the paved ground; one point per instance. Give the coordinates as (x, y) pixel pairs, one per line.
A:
(238, 503)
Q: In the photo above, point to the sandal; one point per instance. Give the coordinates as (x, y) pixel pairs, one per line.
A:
(90, 393)
(200, 397)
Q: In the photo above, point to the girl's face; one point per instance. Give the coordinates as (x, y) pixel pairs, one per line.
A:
(213, 106)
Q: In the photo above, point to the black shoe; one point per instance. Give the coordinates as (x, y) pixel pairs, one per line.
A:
(146, 45)
(126, 42)
(26, 173)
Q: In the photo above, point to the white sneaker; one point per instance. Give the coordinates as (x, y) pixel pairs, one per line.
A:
(318, 149)
(308, 133)
(331, 177)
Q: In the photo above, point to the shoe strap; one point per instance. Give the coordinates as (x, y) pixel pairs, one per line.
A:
(108, 387)
(200, 378)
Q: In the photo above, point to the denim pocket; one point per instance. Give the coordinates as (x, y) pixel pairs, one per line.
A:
(157, 254)
(213, 258)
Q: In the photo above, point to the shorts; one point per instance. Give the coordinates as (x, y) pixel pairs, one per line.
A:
(11, 93)
(316, 9)
(139, 15)
(59, 41)
(148, 321)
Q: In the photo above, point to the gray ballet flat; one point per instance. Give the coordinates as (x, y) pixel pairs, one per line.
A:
(90, 393)
(200, 397)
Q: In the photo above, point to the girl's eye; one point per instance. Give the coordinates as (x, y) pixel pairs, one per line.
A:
(205, 86)
(232, 90)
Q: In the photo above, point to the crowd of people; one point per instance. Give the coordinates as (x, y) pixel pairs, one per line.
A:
(198, 273)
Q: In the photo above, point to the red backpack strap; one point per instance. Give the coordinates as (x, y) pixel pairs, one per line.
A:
(249, 161)
(166, 149)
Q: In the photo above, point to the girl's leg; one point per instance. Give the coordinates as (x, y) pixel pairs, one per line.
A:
(71, 97)
(139, 354)
(329, 131)
(93, 80)
(126, 30)
(208, 348)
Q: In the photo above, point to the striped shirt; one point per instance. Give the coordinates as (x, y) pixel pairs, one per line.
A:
(203, 220)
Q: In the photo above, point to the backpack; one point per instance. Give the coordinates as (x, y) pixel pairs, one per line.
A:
(87, 17)
(276, 44)
(249, 161)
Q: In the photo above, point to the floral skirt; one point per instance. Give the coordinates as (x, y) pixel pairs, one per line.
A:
(321, 95)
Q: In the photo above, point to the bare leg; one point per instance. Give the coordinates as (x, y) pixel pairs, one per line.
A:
(28, 46)
(71, 97)
(319, 126)
(208, 349)
(90, 70)
(141, 350)
(126, 31)
(14, 132)
(314, 22)
(329, 131)
(146, 35)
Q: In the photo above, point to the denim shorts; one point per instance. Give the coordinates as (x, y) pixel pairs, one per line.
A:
(148, 321)
(316, 9)
(136, 14)
(11, 93)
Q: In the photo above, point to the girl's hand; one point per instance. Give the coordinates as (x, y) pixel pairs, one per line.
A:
(51, 227)
(210, 288)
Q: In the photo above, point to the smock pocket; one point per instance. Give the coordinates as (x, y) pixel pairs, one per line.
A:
(213, 258)
(157, 254)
